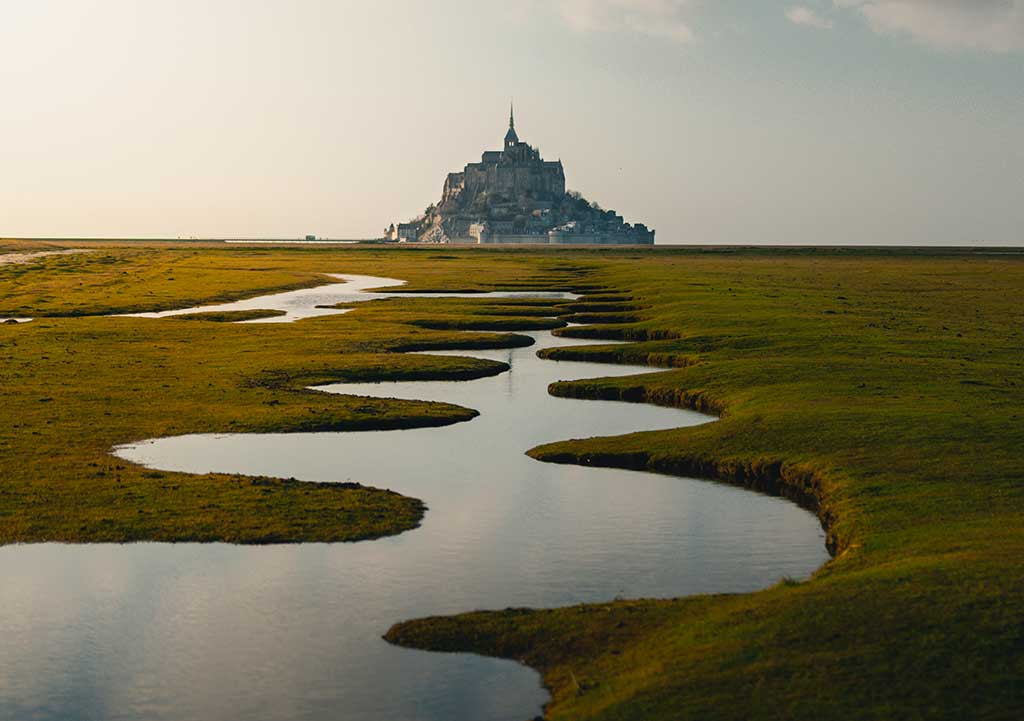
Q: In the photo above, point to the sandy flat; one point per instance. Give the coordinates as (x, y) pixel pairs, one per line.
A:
(21, 258)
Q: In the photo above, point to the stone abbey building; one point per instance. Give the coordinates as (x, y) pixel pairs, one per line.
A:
(513, 195)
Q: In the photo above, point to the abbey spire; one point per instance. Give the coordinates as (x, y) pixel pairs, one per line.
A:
(510, 137)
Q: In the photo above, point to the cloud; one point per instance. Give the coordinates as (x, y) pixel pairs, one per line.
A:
(803, 15)
(668, 19)
(995, 26)
(984, 25)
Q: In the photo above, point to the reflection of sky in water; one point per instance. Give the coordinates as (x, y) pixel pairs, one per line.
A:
(303, 303)
(215, 631)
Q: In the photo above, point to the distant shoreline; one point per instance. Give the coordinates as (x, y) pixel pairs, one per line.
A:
(1008, 250)
(295, 242)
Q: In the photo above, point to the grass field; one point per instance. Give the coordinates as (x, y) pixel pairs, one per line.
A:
(74, 386)
(882, 389)
(885, 393)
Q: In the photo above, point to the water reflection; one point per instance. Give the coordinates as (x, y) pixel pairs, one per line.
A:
(316, 302)
(214, 631)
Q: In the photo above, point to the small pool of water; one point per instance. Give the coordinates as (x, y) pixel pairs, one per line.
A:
(188, 631)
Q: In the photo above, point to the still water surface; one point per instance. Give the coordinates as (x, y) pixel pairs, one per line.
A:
(189, 631)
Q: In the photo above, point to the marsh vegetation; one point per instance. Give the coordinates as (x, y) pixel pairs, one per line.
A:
(880, 389)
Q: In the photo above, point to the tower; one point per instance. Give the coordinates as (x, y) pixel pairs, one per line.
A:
(510, 137)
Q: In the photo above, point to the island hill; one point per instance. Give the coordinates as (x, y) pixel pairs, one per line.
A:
(514, 196)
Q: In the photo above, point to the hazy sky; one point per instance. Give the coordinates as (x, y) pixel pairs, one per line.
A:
(713, 121)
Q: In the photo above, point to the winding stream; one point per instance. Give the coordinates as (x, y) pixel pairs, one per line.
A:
(188, 631)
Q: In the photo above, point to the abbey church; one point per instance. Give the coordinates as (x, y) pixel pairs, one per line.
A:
(513, 195)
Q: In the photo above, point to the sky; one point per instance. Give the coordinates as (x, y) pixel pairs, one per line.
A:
(712, 121)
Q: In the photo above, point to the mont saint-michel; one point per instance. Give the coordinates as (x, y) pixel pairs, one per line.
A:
(514, 196)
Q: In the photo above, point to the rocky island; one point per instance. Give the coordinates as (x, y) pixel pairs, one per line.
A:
(514, 196)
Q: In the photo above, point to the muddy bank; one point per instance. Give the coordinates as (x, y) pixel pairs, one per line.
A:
(23, 258)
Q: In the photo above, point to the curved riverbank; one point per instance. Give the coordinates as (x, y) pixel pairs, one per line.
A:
(834, 382)
(495, 533)
(137, 378)
(896, 376)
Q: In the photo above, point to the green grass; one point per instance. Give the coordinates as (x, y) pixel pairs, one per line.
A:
(74, 387)
(886, 394)
(230, 316)
(881, 388)
(125, 278)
